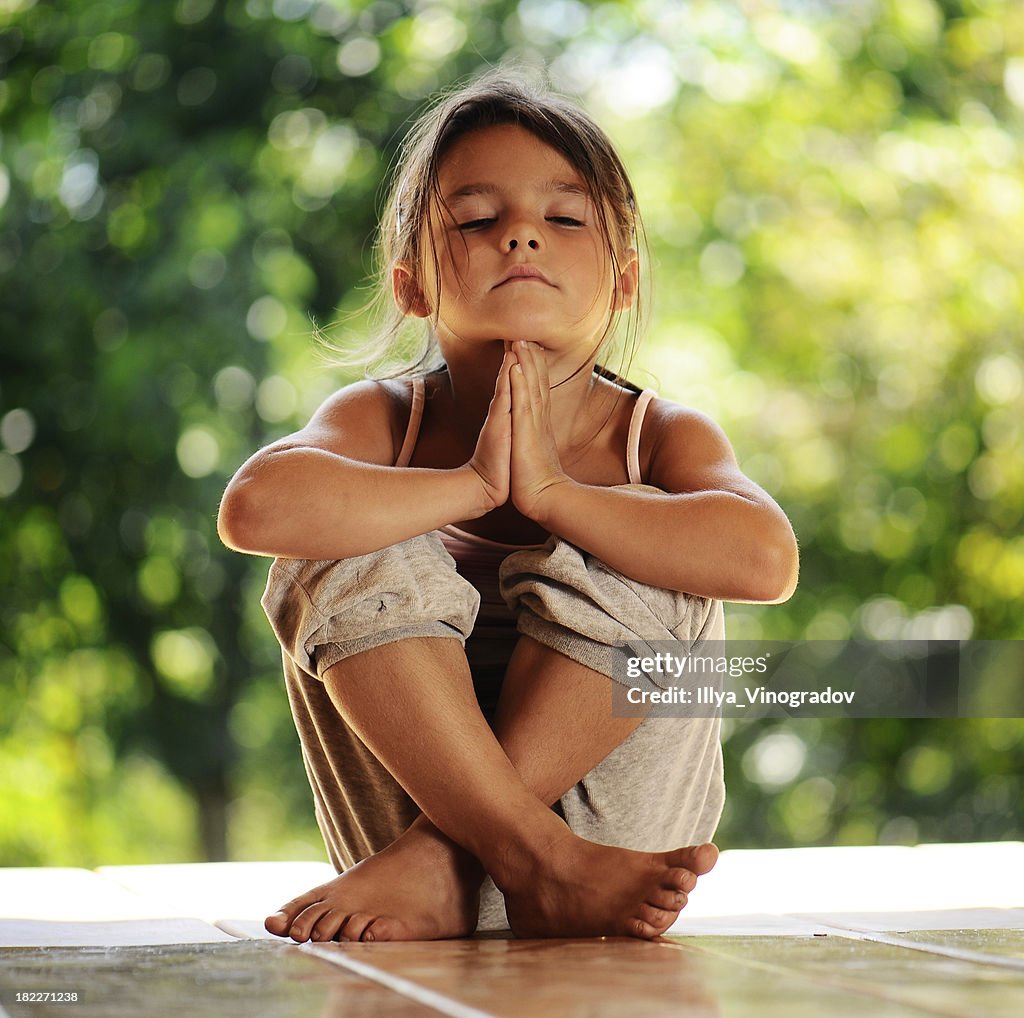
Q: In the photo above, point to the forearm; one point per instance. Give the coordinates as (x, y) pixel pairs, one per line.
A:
(713, 543)
(312, 504)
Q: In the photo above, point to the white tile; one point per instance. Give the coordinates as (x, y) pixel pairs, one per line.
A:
(222, 890)
(126, 933)
(861, 879)
(74, 895)
(746, 926)
(937, 919)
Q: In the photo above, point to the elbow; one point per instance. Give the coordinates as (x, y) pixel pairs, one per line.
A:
(774, 574)
(237, 517)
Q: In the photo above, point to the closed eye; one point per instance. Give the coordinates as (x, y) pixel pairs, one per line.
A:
(565, 221)
(476, 224)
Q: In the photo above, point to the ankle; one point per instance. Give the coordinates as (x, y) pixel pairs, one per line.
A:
(514, 862)
(448, 853)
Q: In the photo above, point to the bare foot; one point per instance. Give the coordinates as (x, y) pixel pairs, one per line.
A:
(421, 887)
(582, 889)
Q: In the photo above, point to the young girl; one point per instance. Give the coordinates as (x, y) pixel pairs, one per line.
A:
(458, 549)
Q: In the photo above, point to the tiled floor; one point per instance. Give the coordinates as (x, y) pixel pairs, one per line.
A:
(932, 930)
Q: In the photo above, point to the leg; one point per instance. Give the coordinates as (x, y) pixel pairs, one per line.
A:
(555, 723)
(574, 604)
(648, 784)
(663, 785)
(360, 808)
(417, 712)
(310, 613)
(323, 612)
(416, 883)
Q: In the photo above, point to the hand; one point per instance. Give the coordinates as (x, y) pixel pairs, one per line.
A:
(536, 469)
(491, 458)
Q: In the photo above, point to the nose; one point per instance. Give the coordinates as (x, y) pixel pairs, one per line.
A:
(521, 231)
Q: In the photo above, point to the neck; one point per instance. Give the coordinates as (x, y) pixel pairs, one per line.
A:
(576, 397)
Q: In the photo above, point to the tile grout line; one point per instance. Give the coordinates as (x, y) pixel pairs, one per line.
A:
(847, 985)
(403, 987)
(956, 953)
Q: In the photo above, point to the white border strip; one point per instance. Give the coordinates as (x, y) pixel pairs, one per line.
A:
(957, 953)
(404, 987)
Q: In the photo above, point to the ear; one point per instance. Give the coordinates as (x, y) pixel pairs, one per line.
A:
(408, 293)
(628, 283)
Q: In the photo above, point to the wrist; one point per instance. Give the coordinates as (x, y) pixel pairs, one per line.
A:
(545, 506)
(476, 499)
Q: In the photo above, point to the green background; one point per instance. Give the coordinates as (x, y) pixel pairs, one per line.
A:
(834, 202)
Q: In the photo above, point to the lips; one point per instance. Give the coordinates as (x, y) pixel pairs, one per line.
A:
(523, 274)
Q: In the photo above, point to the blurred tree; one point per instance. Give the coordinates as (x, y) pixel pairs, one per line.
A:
(833, 197)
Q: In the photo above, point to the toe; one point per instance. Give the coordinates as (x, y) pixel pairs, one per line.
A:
(373, 928)
(385, 928)
(704, 858)
(356, 926)
(679, 880)
(699, 859)
(327, 926)
(657, 918)
(303, 926)
(278, 923)
(669, 899)
(637, 927)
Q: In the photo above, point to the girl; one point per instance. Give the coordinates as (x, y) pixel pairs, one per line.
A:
(458, 549)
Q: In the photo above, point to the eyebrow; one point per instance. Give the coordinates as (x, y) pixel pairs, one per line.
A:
(555, 186)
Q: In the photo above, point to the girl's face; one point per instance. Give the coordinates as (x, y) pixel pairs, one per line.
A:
(521, 254)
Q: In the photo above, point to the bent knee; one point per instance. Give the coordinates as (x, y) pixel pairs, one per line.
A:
(325, 611)
(580, 606)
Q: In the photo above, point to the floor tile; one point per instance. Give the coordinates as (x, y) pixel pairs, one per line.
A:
(237, 980)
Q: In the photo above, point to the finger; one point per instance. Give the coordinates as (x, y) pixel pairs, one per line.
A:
(519, 389)
(526, 420)
(527, 353)
(501, 385)
(498, 421)
(540, 371)
(541, 360)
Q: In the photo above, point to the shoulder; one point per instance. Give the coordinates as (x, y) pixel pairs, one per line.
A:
(365, 420)
(684, 449)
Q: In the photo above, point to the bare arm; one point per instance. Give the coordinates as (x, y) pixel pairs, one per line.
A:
(710, 530)
(329, 491)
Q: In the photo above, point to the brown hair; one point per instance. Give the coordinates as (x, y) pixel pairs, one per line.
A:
(497, 97)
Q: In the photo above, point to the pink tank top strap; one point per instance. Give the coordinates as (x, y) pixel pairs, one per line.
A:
(412, 430)
(636, 422)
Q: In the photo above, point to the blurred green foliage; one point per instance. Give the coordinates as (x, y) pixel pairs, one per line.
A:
(835, 203)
